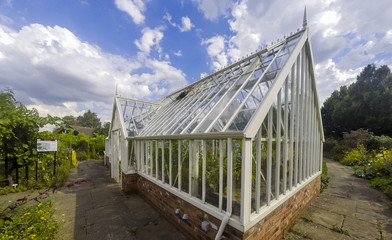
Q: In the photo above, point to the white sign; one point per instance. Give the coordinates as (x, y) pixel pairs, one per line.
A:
(46, 145)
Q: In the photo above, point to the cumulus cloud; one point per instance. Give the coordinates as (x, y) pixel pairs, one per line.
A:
(150, 39)
(134, 8)
(213, 9)
(216, 51)
(342, 34)
(186, 24)
(51, 69)
(178, 53)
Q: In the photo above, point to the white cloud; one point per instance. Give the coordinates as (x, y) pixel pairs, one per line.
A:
(52, 70)
(186, 24)
(345, 37)
(150, 39)
(216, 51)
(178, 53)
(213, 9)
(133, 8)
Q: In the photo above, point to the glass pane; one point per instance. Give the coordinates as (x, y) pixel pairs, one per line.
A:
(212, 172)
(237, 168)
(185, 166)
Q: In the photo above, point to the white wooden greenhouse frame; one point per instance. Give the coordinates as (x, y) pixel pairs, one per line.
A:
(236, 143)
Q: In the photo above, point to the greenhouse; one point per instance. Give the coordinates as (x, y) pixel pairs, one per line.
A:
(236, 154)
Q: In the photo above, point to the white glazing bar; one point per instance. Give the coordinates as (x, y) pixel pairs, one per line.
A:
(138, 161)
(246, 180)
(163, 160)
(220, 174)
(196, 99)
(305, 163)
(210, 102)
(258, 168)
(151, 158)
(156, 159)
(292, 110)
(269, 156)
(254, 65)
(297, 121)
(234, 115)
(170, 162)
(190, 147)
(203, 187)
(179, 165)
(286, 132)
(229, 175)
(302, 121)
(182, 109)
(278, 145)
(143, 160)
(313, 147)
(219, 102)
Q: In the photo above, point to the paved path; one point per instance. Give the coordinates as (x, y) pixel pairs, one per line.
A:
(348, 209)
(97, 209)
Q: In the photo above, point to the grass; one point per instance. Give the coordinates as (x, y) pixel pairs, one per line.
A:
(340, 229)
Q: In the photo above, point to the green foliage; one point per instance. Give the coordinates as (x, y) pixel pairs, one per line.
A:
(89, 119)
(367, 104)
(324, 177)
(333, 149)
(36, 222)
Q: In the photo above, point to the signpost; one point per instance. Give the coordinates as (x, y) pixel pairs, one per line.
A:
(48, 145)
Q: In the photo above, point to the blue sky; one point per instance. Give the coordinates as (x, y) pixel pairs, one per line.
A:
(64, 57)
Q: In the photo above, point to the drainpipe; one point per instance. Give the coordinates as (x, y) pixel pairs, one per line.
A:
(223, 225)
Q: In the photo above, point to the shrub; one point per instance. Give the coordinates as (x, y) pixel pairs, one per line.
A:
(381, 183)
(333, 149)
(355, 138)
(356, 157)
(36, 222)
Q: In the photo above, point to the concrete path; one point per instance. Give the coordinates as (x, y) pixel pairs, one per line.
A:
(95, 208)
(348, 209)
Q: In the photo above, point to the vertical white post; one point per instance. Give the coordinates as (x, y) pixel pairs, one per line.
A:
(220, 174)
(156, 160)
(258, 168)
(269, 156)
(229, 175)
(151, 157)
(286, 133)
(203, 190)
(246, 180)
(190, 147)
(170, 162)
(179, 165)
(278, 143)
(163, 160)
(292, 110)
(142, 159)
(297, 121)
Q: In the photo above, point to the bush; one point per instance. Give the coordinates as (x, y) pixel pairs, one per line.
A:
(381, 183)
(379, 142)
(36, 222)
(356, 157)
(333, 149)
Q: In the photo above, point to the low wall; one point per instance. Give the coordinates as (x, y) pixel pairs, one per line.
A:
(273, 226)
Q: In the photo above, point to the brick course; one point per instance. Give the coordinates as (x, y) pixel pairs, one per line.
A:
(273, 226)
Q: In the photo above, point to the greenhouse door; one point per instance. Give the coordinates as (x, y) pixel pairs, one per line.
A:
(116, 153)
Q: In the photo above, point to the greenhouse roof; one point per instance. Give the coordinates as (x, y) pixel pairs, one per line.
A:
(233, 100)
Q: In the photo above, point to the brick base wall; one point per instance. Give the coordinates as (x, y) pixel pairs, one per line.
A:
(272, 226)
(275, 224)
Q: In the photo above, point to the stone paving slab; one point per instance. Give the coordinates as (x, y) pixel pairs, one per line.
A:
(348, 209)
(97, 209)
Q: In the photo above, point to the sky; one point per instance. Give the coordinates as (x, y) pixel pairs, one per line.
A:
(66, 57)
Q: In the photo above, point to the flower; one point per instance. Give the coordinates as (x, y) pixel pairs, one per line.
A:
(28, 213)
(29, 228)
(39, 205)
(63, 214)
(11, 236)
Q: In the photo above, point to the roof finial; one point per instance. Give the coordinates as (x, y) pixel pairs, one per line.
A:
(305, 22)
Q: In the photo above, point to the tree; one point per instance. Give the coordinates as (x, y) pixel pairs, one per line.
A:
(89, 119)
(69, 120)
(18, 132)
(366, 104)
(103, 130)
